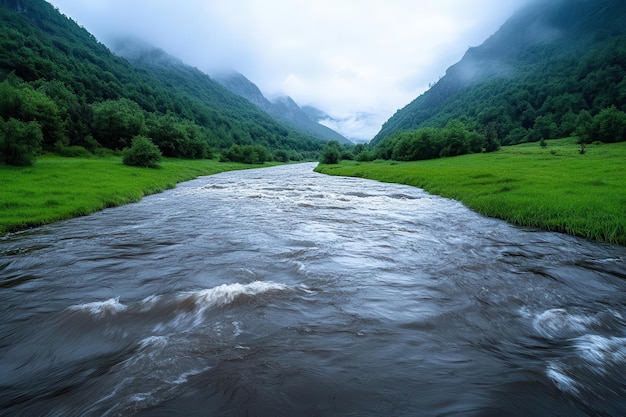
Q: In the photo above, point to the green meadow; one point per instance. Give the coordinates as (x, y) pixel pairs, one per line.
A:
(57, 188)
(553, 188)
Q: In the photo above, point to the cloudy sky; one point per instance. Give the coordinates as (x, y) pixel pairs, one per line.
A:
(357, 60)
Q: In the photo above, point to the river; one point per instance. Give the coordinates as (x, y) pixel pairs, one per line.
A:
(282, 292)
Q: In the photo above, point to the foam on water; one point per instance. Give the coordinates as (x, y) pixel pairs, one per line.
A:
(191, 307)
(100, 309)
(559, 323)
(591, 359)
(596, 360)
(158, 341)
(228, 293)
(599, 351)
(563, 382)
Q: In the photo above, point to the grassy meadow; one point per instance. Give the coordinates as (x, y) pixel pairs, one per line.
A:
(553, 188)
(57, 188)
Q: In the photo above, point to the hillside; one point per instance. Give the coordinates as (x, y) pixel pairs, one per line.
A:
(547, 65)
(56, 74)
(284, 109)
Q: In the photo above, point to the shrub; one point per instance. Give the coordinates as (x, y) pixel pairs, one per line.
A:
(365, 156)
(19, 142)
(142, 153)
(609, 125)
(331, 154)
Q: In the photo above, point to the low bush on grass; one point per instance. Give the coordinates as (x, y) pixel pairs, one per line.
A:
(142, 153)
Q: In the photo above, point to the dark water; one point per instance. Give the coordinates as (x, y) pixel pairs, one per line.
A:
(281, 292)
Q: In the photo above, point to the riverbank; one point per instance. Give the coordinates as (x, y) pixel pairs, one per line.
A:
(57, 188)
(553, 188)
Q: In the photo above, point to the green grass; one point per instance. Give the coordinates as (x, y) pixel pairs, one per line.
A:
(553, 188)
(57, 188)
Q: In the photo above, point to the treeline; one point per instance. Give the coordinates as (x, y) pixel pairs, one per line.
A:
(608, 126)
(426, 143)
(66, 92)
(43, 116)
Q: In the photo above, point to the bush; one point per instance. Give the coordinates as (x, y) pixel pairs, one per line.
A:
(142, 153)
(19, 142)
(609, 125)
(331, 154)
(365, 156)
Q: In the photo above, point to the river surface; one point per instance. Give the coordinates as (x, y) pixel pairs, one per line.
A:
(282, 292)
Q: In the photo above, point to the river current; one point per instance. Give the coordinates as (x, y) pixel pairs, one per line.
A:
(282, 292)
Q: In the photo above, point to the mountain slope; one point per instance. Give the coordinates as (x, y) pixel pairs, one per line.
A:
(283, 108)
(549, 62)
(53, 58)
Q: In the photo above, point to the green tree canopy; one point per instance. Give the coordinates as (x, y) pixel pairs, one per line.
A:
(331, 154)
(142, 153)
(19, 141)
(116, 122)
(609, 125)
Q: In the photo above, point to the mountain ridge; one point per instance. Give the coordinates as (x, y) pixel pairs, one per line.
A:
(544, 53)
(284, 108)
(48, 56)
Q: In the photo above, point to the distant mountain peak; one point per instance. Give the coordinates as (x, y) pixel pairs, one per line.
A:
(240, 85)
(283, 108)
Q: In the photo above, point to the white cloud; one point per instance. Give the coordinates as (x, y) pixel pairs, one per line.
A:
(347, 57)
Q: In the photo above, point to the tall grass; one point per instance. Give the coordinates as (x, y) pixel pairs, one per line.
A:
(554, 188)
(57, 188)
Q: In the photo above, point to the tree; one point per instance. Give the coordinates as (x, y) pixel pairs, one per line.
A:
(455, 135)
(19, 141)
(545, 127)
(22, 102)
(609, 125)
(247, 154)
(492, 143)
(568, 124)
(583, 129)
(365, 156)
(142, 153)
(116, 122)
(331, 154)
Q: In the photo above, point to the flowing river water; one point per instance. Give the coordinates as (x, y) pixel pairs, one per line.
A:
(282, 292)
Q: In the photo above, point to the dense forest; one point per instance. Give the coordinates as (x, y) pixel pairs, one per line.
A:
(63, 91)
(554, 69)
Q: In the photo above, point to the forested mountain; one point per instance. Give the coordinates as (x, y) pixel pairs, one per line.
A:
(56, 77)
(550, 68)
(284, 109)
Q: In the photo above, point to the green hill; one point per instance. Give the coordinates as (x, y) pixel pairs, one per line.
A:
(548, 66)
(55, 76)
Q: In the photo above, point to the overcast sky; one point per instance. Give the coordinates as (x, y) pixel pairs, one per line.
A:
(357, 60)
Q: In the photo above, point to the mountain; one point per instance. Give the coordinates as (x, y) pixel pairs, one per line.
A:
(284, 109)
(55, 73)
(315, 114)
(548, 64)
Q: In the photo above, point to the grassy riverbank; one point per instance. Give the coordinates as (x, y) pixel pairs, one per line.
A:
(553, 188)
(57, 188)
